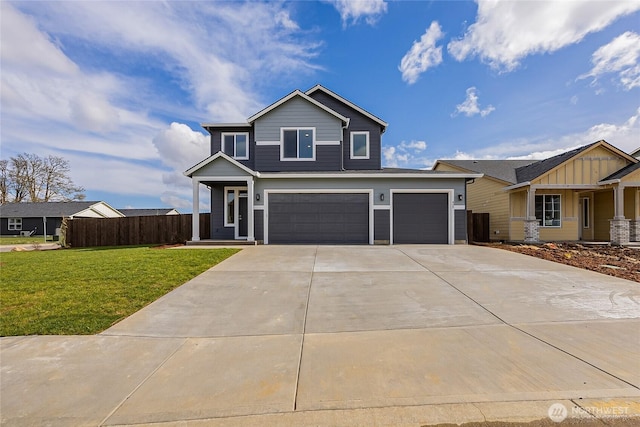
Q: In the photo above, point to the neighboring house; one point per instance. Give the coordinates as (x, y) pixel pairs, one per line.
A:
(307, 169)
(635, 153)
(34, 218)
(149, 212)
(589, 193)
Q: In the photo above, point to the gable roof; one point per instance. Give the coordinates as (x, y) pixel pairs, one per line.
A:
(50, 209)
(617, 176)
(218, 155)
(504, 170)
(362, 111)
(292, 95)
(149, 212)
(534, 170)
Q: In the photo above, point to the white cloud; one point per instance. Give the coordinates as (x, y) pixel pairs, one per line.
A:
(215, 56)
(507, 31)
(620, 56)
(470, 107)
(621, 135)
(354, 10)
(423, 54)
(406, 155)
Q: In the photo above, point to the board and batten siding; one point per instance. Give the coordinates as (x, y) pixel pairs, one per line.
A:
(358, 122)
(298, 113)
(587, 168)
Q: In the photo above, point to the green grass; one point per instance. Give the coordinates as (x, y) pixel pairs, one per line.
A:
(85, 291)
(19, 240)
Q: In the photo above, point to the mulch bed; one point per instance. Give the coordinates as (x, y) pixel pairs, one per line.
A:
(618, 261)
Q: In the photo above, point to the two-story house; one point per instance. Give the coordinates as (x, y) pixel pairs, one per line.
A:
(307, 169)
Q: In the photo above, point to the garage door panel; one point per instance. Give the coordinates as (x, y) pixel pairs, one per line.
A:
(318, 218)
(420, 218)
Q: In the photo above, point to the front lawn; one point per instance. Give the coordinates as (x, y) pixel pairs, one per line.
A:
(21, 240)
(85, 291)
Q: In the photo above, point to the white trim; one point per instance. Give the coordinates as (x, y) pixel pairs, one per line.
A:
(348, 103)
(451, 216)
(189, 172)
(258, 207)
(298, 159)
(267, 142)
(351, 154)
(303, 96)
(327, 142)
(459, 207)
(426, 174)
(381, 207)
(15, 226)
(309, 191)
(543, 204)
(235, 135)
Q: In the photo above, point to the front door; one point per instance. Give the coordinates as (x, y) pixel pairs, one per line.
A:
(242, 215)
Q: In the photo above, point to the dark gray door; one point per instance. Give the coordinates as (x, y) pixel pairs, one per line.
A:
(318, 218)
(242, 216)
(420, 218)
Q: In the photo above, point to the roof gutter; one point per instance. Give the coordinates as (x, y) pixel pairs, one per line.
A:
(516, 186)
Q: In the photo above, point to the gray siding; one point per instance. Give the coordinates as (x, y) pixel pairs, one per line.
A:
(258, 224)
(358, 122)
(268, 160)
(218, 230)
(460, 226)
(220, 167)
(298, 113)
(381, 224)
(216, 142)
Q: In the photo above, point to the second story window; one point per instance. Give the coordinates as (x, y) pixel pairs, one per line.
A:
(359, 145)
(297, 144)
(236, 145)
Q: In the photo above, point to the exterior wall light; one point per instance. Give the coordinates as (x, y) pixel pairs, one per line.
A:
(258, 196)
(382, 197)
(460, 197)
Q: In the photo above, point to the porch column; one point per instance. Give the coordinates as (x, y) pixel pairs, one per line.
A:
(634, 225)
(250, 212)
(195, 217)
(531, 232)
(619, 225)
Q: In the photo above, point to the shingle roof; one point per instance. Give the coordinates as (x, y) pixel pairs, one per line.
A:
(145, 212)
(48, 209)
(504, 170)
(622, 172)
(534, 170)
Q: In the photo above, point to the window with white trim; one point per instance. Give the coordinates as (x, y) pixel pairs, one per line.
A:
(548, 210)
(586, 213)
(15, 224)
(298, 144)
(236, 145)
(360, 145)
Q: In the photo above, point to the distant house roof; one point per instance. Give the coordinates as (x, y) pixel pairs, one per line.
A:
(635, 153)
(622, 172)
(534, 170)
(504, 170)
(58, 209)
(149, 212)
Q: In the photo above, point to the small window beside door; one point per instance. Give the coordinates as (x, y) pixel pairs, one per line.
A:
(586, 213)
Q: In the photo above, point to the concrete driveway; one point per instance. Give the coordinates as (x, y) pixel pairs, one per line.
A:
(335, 335)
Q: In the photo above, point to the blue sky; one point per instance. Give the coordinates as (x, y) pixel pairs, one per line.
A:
(120, 88)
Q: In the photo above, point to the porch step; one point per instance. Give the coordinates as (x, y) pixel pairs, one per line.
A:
(211, 242)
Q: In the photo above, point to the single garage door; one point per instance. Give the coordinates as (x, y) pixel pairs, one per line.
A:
(318, 218)
(420, 218)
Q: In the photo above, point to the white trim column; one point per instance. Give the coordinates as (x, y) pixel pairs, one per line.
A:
(195, 218)
(250, 212)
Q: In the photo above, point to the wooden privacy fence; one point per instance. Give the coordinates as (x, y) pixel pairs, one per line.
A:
(136, 230)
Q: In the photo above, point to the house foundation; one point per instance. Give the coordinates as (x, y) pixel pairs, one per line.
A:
(531, 231)
(619, 230)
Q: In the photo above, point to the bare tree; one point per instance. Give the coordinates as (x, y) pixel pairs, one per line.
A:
(30, 177)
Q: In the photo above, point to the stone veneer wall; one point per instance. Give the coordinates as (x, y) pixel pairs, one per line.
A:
(531, 231)
(619, 231)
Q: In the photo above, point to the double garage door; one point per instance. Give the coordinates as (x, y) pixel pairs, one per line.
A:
(343, 218)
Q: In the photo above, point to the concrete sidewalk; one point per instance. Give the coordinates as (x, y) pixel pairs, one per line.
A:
(326, 335)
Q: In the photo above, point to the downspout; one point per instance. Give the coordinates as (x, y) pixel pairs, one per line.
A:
(342, 154)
